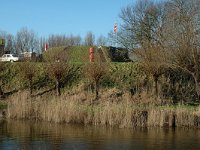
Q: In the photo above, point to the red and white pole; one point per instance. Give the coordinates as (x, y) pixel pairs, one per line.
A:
(45, 47)
(91, 55)
(115, 27)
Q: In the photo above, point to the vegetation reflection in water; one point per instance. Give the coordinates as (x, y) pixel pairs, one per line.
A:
(31, 135)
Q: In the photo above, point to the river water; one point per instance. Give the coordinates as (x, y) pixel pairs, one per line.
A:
(26, 135)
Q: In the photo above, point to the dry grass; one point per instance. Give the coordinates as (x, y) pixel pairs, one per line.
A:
(120, 111)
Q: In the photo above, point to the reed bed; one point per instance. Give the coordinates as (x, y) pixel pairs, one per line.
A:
(119, 112)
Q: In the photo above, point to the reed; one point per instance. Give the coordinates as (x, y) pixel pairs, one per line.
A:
(107, 111)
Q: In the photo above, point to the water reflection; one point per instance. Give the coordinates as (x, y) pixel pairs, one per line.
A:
(46, 136)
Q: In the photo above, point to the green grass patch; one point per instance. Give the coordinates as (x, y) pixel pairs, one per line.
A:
(3, 105)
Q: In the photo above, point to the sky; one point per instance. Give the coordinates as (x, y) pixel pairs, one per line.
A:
(47, 17)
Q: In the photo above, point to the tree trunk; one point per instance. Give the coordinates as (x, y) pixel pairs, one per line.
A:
(155, 78)
(197, 87)
(58, 88)
(31, 86)
(96, 90)
(1, 92)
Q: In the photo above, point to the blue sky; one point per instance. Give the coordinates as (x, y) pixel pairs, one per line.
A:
(47, 17)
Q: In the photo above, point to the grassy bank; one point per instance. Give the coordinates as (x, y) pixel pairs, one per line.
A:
(107, 93)
(127, 77)
(109, 110)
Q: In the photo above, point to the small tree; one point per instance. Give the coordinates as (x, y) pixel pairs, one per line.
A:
(153, 62)
(183, 37)
(143, 26)
(28, 70)
(57, 66)
(95, 71)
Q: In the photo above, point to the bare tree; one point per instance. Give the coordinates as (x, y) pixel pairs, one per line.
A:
(77, 40)
(142, 24)
(153, 61)
(164, 33)
(28, 70)
(2, 45)
(89, 39)
(43, 41)
(56, 40)
(95, 72)
(26, 41)
(74, 40)
(101, 41)
(183, 37)
(8, 42)
(142, 32)
(57, 67)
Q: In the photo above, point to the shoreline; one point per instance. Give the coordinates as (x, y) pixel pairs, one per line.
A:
(138, 118)
(118, 112)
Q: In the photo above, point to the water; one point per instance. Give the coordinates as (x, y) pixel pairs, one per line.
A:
(20, 135)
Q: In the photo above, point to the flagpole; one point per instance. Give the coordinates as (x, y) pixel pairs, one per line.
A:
(115, 33)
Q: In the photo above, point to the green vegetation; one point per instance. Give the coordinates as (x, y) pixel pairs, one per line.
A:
(174, 85)
(101, 93)
(162, 88)
(79, 54)
(3, 105)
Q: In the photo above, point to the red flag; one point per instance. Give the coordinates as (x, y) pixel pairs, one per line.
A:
(115, 28)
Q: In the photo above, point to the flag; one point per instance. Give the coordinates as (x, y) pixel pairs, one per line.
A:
(115, 28)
